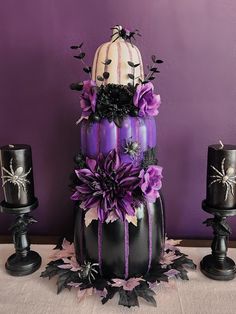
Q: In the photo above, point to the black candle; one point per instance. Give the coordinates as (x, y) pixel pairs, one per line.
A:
(221, 176)
(17, 175)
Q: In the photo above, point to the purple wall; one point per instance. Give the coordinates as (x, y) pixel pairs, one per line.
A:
(197, 83)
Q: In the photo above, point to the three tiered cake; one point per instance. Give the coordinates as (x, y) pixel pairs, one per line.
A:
(119, 221)
(119, 245)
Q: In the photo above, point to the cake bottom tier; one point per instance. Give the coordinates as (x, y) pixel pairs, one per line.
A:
(120, 248)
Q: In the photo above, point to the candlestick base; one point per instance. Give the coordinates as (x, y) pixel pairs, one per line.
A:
(17, 265)
(217, 265)
(23, 261)
(212, 269)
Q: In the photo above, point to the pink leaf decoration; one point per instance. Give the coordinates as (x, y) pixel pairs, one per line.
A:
(64, 266)
(111, 217)
(71, 264)
(91, 214)
(74, 284)
(170, 244)
(127, 285)
(171, 273)
(68, 250)
(153, 285)
(132, 219)
(168, 258)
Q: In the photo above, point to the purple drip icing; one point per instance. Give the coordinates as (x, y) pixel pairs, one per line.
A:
(149, 237)
(163, 228)
(100, 246)
(81, 232)
(126, 249)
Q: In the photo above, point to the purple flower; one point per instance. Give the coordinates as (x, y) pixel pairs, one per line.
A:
(88, 99)
(151, 182)
(146, 101)
(107, 185)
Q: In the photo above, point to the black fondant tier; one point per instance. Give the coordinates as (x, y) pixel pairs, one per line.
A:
(109, 243)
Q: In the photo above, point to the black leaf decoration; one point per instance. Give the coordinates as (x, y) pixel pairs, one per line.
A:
(107, 62)
(130, 63)
(100, 78)
(128, 298)
(80, 56)
(149, 157)
(158, 61)
(111, 291)
(143, 291)
(80, 46)
(87, 69)
(74, 47)
(131, 76)
(151, 78)
(76, 86)
(51, 269)
(106, 75)
(136, 65)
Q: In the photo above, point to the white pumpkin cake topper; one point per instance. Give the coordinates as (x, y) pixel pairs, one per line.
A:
(16, 177)
(225, 177)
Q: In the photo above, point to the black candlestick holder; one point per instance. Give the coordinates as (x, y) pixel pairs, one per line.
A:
(23, 261)
(218, 265)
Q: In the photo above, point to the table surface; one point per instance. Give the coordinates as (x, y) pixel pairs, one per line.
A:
(32, 294)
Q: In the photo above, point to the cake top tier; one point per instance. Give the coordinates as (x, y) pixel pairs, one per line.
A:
(120, 60)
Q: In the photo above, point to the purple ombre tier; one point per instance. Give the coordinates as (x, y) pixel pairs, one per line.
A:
(104, 136)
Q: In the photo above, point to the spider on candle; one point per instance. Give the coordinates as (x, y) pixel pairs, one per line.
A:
(225, 177)
(16, 177)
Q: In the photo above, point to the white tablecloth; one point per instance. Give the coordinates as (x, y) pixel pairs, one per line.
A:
(35, 295)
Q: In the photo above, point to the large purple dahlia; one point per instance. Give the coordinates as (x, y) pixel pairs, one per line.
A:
(107, 185)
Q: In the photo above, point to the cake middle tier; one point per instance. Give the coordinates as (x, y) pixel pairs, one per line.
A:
(135, 136)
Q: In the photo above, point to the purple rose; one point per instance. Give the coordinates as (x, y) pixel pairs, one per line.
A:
(88, 99)
(89, 93)
(151, 182)
(146, 101)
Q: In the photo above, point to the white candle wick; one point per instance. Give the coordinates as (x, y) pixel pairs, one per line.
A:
(221, 144)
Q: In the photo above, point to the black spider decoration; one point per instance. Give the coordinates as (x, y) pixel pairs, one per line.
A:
(88, 271)
(132, 148)
(124, 33)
